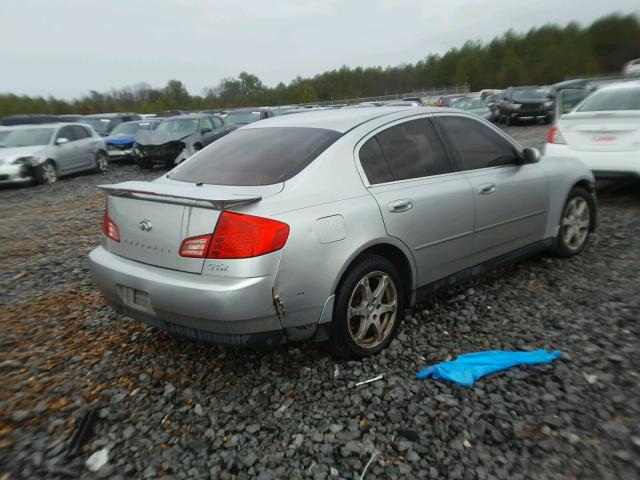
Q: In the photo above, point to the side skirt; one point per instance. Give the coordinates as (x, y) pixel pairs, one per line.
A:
(428, 291)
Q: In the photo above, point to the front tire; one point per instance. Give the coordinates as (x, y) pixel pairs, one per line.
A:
(578, 216)
(45, 173)
(101, 162)
(368, 310)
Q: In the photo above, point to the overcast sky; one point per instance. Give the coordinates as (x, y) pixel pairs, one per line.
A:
(66, 48)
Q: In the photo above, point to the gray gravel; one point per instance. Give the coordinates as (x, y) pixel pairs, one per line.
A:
(172, 408)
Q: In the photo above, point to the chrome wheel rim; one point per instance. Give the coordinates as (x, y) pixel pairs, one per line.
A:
(49, 173)
(101, 162)
(372, 309)
(575, 223)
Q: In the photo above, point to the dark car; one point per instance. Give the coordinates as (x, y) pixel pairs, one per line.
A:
(245, 116)
(177, 138)
(28, 119)
(120, 141)
(525, 102)
(70, 118)
(103, 123)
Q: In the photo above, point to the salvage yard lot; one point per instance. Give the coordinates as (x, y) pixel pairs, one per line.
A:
(169, 406)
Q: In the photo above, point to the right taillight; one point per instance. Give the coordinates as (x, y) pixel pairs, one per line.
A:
(555, 136)
(109, 229)
(238, 236)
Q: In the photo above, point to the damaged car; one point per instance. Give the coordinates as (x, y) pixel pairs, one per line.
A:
(325, 226)
(120, 141)
(177, 138)
(42, 153)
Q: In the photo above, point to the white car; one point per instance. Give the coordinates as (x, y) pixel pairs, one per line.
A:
(603, 131)
(632, 67)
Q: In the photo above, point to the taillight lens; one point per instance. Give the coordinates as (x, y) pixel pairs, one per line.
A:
(195, 247)
(238, 236)
(555, 136)
(109, 229)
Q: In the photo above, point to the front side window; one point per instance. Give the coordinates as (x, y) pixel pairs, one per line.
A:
(68, 133)
(79, 132)
(255, 156)
(206, 123)
(476, 144)
(413, 150)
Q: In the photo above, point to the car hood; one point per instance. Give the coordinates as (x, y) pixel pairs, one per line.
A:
(158, 138)
(10, 154)
(530, 100)
(120, 139)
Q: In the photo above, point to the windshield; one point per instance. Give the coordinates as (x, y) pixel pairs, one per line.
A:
(242, 118)
(130, 128)
(100, 125)
(468, 103)
(627, 98)
(530, 93)
(185, 125)
(25, 137)
(256, 156)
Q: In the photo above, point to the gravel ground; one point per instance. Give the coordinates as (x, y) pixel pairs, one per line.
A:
(171, 408)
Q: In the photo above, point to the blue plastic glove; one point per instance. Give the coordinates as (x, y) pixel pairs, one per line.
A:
(468, 368)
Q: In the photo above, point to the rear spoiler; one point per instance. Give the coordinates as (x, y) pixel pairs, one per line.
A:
(189, 194)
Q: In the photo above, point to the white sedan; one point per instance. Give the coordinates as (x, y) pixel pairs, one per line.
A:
(603, 131)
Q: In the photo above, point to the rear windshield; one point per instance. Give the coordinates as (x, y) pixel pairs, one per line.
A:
(256, 156)
(616, 99)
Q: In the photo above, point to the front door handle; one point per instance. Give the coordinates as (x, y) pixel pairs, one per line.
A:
(400, 205)
(486, 189)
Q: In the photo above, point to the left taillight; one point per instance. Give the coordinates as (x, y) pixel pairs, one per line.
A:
(237, 236)
(109, 228)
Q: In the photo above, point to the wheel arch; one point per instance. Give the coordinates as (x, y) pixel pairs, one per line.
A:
(392, 249)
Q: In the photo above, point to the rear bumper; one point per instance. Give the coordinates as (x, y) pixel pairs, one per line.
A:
(223, 310)
(602, 164)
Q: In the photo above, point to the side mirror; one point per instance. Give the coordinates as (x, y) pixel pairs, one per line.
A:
(205, 130)
(61, 140)
(531, 155)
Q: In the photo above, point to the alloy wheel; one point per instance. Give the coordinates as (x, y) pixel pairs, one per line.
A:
(372, 309)
(101, 162)
(575, 223)
(49, 174)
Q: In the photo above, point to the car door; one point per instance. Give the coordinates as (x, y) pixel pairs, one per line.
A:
(217, 129)
(423, 201)
(511, 198)
(85, 146)
(67, 158)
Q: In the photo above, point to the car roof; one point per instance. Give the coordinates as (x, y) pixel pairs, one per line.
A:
(340, 120)
(112, 114)
(188, 116)
(616, 85)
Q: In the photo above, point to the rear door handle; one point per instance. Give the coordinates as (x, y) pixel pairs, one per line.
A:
(400, 205)
(486, 189)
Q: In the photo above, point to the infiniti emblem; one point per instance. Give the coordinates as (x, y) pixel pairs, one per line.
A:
(145, 225)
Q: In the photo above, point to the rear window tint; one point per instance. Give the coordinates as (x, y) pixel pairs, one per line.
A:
(256, 156)
(615, 99)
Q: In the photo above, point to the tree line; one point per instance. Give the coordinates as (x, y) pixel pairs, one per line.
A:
(543, 55)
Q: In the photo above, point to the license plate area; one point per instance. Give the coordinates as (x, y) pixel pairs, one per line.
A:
(134, 298)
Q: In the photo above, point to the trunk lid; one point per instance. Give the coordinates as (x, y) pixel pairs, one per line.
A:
(154, 218)
(602, 131)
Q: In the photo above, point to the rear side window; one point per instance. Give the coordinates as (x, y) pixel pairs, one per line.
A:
(477, 145)
(373, 163)
(413, 150)
(615, 99)
(256, 156)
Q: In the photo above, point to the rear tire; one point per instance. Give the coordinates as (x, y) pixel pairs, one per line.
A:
(368, 309)
(507, 120)
(45, 173)
(576, 223)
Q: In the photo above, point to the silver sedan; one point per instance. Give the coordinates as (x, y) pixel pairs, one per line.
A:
(44, 152)
(326, 225)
